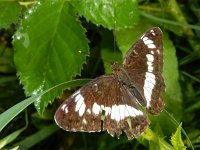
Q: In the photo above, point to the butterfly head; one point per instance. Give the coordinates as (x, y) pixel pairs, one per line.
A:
(116, 68)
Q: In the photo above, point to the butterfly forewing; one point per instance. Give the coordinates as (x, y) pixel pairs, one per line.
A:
(102, 104)
(144, 64)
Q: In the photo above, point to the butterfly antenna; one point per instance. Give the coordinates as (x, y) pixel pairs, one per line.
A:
(182, 130)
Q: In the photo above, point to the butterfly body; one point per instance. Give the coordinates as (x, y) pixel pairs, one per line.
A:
(115, 102)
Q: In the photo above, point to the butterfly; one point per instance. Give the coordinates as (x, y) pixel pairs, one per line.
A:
(119, 102)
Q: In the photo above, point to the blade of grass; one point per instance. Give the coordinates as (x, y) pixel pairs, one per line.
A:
(9, 114)
(32, 140)
(190, 76)
(11, 137)
(142, 13)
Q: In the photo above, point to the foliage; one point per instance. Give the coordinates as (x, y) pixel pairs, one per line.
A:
(47, 43)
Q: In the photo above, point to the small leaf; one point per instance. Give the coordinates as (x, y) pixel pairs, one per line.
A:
(47, 49)
(176, 139)
(105, 13)
(155, 141)
(10, 11)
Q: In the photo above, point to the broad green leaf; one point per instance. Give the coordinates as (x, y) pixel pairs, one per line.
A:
(176, 139)
(47, 48)
(10, 11)
(12, 112)
(173, 95)
(105, 13)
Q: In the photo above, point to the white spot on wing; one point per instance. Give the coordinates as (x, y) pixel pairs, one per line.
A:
(150, 68)
(64, 108)
(96, 108)
(152, 32)
(80, 104)
(149, 43)
(119, 112)
(89, 111)
(84, 121)
(150, 60)
(158, 51)
(116, 112)
(150, 79)
(82, 109)
(151, 46)
(76, 93)
(150, 57)
(96, 87)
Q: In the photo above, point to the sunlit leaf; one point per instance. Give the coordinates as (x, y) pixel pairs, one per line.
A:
(47, 48)
(176, 139)
(105, 13)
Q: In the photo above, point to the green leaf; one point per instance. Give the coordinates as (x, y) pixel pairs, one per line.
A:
(10, 11)
(105, 13)
(155, 141)
(173, 95)
(47, 48)
(176, 139)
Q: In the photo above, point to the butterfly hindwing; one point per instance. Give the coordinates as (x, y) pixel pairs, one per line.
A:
(103, 104)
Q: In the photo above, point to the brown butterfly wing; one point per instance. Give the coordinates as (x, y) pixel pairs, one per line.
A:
(102, 104)
(144, 65)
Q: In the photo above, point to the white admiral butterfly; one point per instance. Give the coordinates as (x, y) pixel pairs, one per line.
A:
(115, 102)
